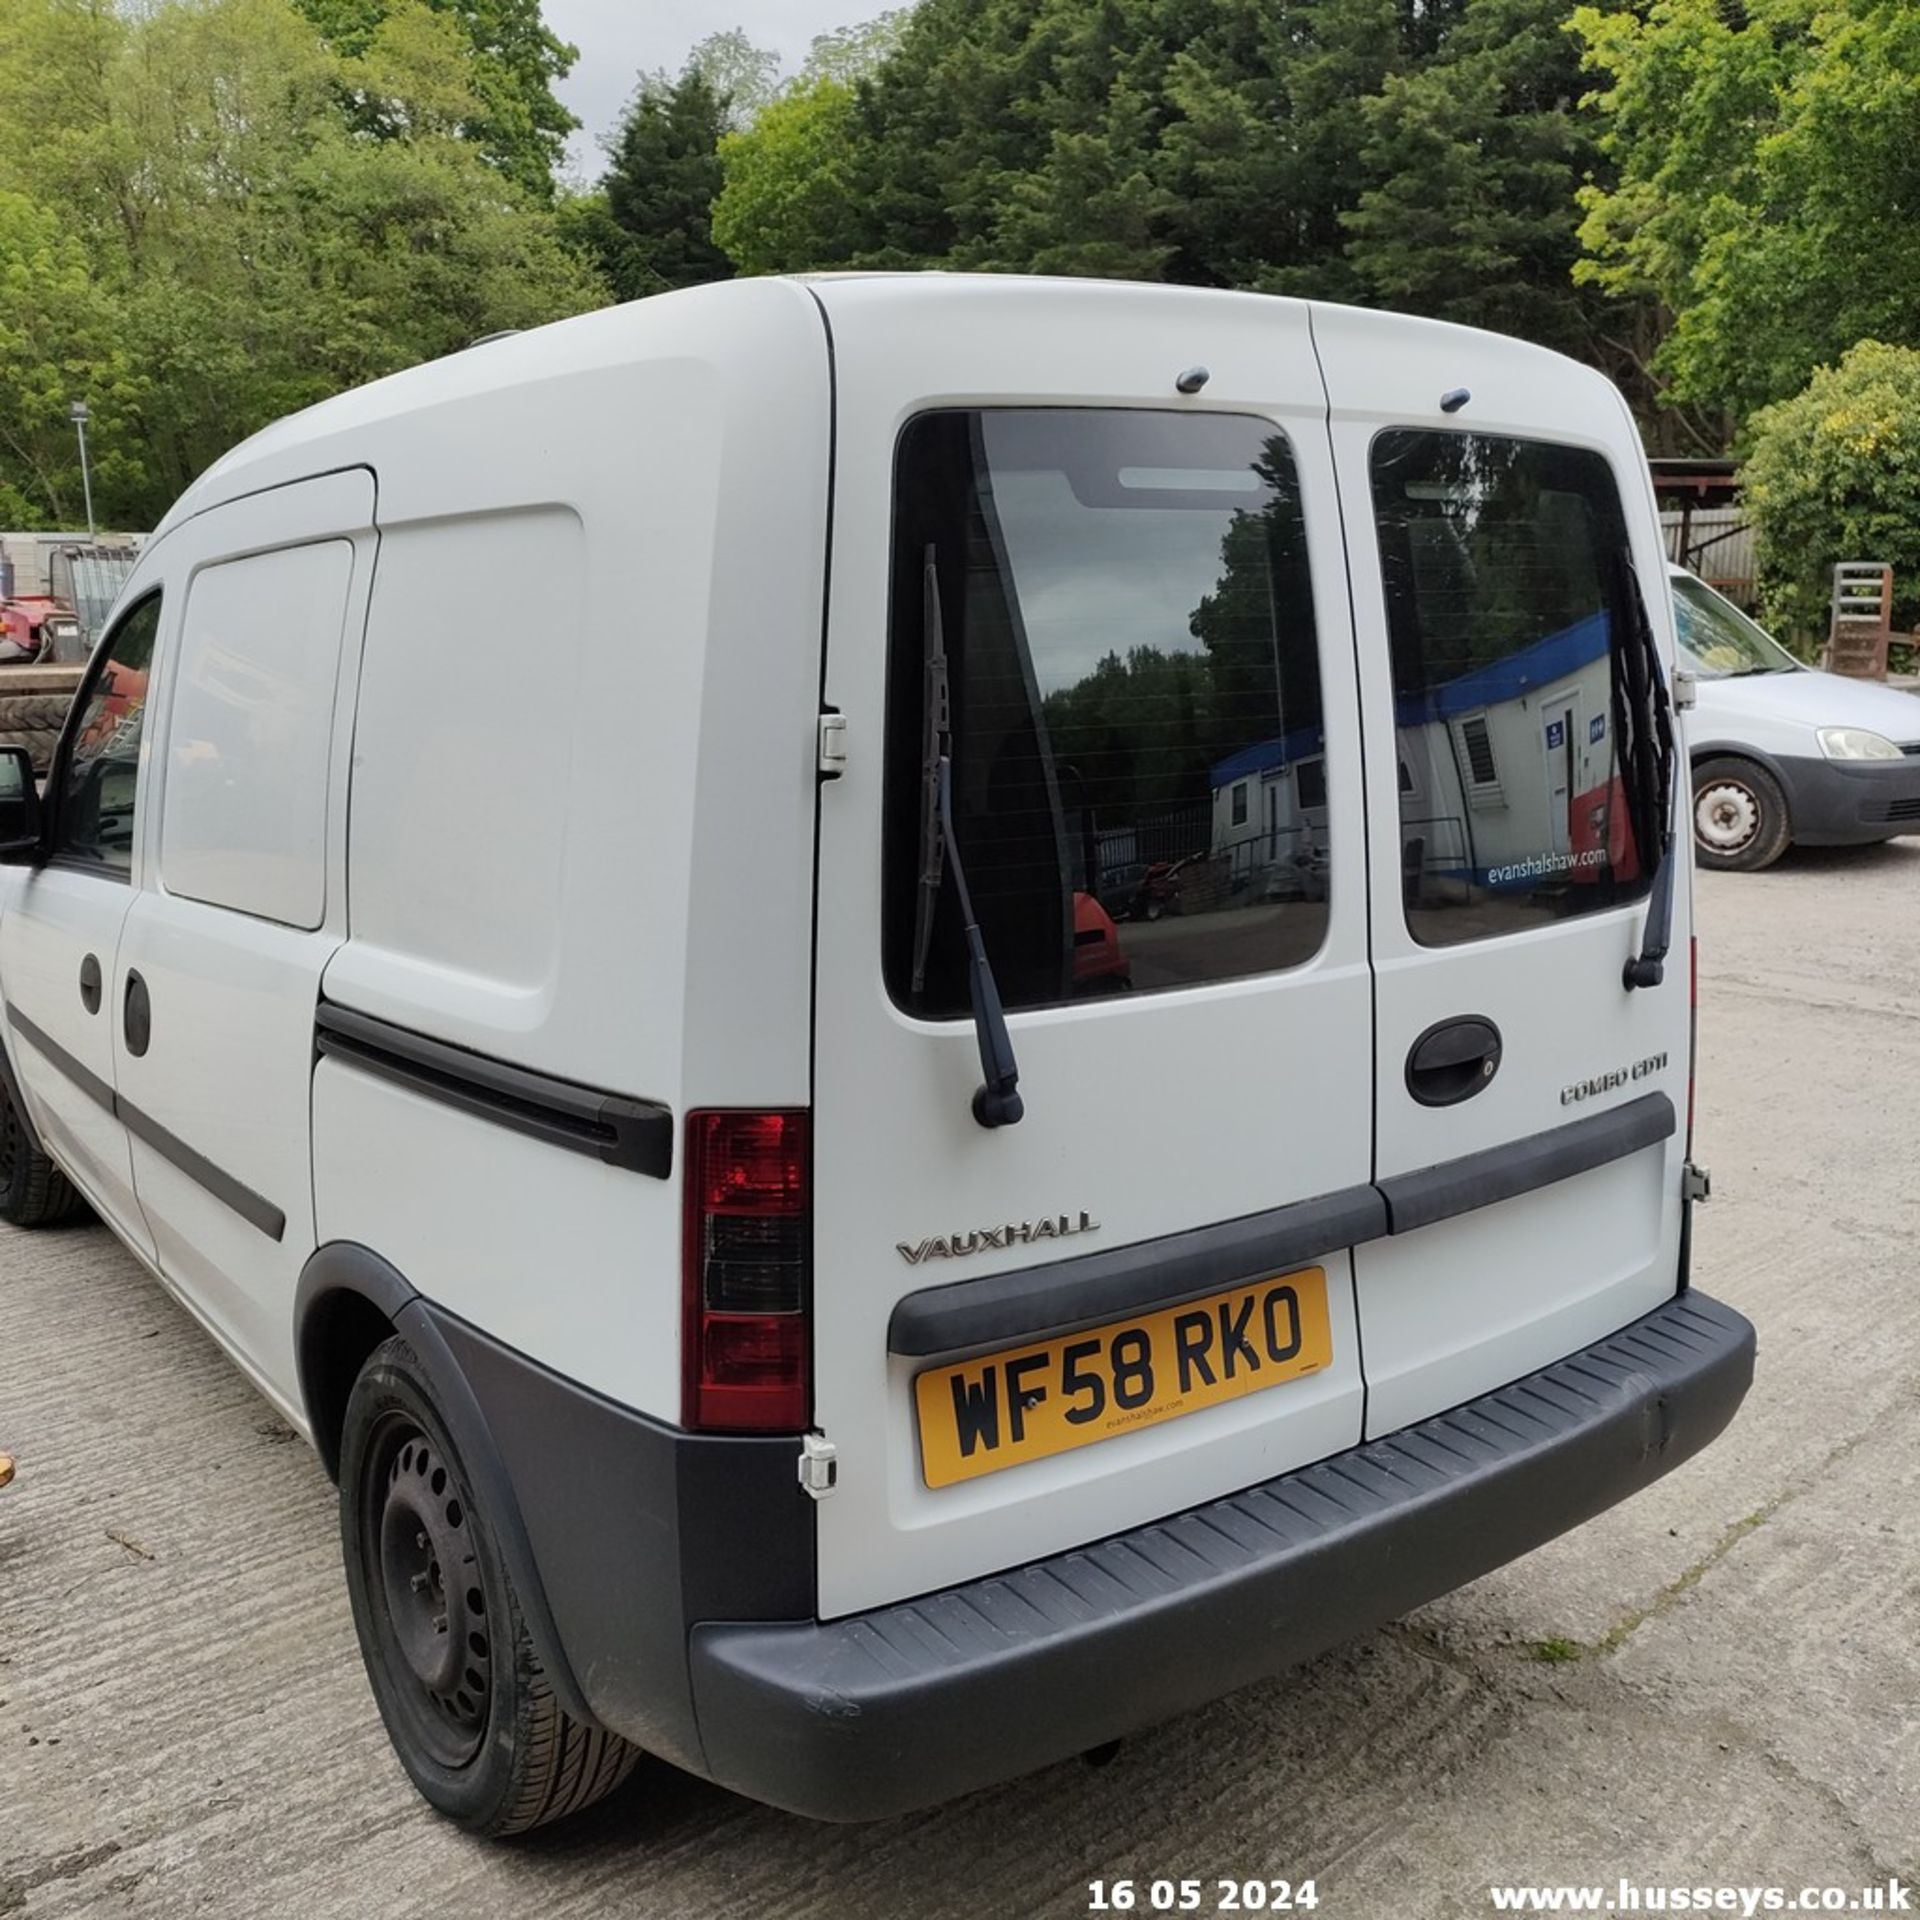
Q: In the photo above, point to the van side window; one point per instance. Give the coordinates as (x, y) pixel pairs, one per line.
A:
(94, 822)
(244, 812)
(1129, 629)
(1496, 557)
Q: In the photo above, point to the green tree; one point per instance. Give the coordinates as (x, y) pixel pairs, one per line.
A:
(1470, 160)
(57, 343)
(742, 77)
(789, 202)
(512, 61)
(661, 182)
(1834, 474)
(224, 242)
(1768, 159)
(849, 54)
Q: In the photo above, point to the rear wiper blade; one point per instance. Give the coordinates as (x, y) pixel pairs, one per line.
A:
(997, 1101)
(1643, 726)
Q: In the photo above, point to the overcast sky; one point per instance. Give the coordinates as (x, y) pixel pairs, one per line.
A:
(621, 39)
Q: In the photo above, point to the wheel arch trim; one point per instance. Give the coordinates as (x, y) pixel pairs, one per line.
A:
(1701, 750)
(344, 1276)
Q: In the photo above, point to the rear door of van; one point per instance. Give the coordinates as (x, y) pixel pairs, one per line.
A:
(1119, 612)
(1531, 1109)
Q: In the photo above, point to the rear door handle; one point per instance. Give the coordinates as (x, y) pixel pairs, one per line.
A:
(137, 1016)
(1453, 1060)
(90, 983)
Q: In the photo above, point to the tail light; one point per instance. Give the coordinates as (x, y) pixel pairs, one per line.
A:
(746, 1256)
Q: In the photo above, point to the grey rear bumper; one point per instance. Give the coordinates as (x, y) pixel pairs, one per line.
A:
(914, 1703)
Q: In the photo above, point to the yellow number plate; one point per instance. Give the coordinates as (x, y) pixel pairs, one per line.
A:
(1028, 1402)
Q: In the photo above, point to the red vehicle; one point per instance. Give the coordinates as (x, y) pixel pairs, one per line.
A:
(37, 629)
(1099, 965)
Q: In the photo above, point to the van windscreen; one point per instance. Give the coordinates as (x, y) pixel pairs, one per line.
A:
(1138, 775)
(1497, 560)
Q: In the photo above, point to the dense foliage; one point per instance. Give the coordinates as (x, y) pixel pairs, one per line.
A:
(210, 215)
(1834, 475)
(215, 210)
(1378, 150)
(1768, 169)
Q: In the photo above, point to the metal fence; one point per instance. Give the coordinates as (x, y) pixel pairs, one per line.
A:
(89, 578)
(1717, 544)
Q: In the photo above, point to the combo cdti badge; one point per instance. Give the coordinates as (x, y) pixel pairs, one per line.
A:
(1035, 1064)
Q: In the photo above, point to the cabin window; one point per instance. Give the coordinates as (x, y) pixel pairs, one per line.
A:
(1498, 562)
(1127, 619)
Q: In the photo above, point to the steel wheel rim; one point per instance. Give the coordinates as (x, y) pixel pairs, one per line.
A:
(1726, 817)
(424, 1585)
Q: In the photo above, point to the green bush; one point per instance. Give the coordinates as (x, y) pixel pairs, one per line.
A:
(1834, 474)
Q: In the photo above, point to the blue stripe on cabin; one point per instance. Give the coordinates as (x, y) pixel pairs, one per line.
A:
(1267, 756)
(1508, 678)
(1556, 657)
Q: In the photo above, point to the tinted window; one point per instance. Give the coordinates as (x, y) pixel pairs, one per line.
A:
(1499, 564)
(1134, 674)
(95, 821)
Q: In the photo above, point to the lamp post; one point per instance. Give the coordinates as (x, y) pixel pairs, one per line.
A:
(78, 414)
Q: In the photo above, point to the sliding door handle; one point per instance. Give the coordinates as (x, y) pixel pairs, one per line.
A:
(137, 1020)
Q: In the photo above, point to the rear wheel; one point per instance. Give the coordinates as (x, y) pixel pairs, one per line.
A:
(1740, 820)
(33, 1191)
(466, 1702)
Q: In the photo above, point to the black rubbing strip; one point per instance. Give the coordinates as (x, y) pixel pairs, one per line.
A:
(1095, 1287)
(635, 1134)
(1001, 1308)
(89, 1082)
(1417, 1200)
(250, 1206)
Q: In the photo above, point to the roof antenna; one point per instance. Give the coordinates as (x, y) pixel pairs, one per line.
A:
(1192, 380)
(1454, 401)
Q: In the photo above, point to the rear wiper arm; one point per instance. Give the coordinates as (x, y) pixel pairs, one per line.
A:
(997, 1101)
(1647, 743)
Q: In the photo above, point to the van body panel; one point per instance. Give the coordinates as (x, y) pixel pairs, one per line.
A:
(255, 683)
(555, 1254)
(582, 839)
(1147, 1114)
(649, 722)
(1463, 1306)
(52, 919)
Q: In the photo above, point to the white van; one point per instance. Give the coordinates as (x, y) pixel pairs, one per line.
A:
(1784, 754)
(917, 1016)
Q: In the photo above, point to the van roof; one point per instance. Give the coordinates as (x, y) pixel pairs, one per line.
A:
(323, 437)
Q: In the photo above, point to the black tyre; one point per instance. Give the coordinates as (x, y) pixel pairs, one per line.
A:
(1740, 820)
(33, 1191)
(33, 721)
(465, 1701)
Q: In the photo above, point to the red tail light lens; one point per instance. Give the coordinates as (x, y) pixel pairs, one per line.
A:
(746, 1254)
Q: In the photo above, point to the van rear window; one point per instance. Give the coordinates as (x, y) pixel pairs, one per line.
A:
(1497, 561)
(1138, 776)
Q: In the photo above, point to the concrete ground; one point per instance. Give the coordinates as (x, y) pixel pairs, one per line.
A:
(1717, 1683)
